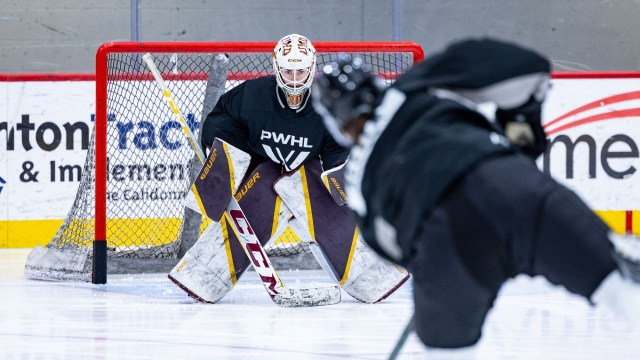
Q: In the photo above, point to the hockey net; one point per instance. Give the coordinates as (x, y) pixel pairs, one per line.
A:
(139, 165)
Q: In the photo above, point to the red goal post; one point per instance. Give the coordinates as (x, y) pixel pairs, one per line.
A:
(134, 131)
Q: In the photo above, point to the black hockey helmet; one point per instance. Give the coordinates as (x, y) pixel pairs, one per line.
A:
(345, 91)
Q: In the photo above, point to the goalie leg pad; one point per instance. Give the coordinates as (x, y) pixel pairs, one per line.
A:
(206, 271)
(212, 266)
(263, 210)
(218, 180)
(320, 219)
(371, 278)
(361, 273)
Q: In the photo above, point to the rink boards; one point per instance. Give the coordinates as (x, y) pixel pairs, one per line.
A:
(592, 123)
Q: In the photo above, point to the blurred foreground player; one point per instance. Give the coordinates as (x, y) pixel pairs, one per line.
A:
(270, 122)
(456, 196)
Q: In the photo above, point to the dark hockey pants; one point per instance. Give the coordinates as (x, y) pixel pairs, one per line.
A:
(502, 219)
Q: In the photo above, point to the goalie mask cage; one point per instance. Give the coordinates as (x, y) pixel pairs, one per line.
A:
(128, 211)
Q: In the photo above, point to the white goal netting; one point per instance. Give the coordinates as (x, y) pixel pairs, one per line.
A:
(149, 164)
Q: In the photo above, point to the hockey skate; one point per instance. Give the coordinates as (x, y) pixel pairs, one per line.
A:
(627, 255)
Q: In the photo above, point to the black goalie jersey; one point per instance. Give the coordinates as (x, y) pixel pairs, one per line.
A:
(254, 117)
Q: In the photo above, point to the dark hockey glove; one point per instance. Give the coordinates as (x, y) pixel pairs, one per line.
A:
(523, 127)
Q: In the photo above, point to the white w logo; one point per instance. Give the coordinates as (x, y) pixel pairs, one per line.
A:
(280, 158)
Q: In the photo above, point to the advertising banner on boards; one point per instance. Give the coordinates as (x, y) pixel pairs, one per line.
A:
(593, 127)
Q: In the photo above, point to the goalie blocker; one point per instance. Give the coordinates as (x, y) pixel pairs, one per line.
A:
(214, 264)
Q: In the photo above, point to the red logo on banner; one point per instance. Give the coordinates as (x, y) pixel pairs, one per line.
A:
(553, 126)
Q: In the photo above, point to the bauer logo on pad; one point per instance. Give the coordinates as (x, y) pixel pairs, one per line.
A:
(213, 186)
(207, 166)
(218, 179)
(333, 180)
(241, 192)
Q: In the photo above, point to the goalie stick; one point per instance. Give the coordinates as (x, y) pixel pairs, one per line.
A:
(281, 295)
(403, 338)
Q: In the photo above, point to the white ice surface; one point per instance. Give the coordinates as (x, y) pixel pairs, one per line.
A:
(147, 317)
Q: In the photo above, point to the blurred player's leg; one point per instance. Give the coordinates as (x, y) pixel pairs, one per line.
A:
(559, 237)
(461, 244)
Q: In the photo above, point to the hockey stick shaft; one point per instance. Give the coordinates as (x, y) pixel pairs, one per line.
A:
(173, 105)
(403, 338)
(241, 227)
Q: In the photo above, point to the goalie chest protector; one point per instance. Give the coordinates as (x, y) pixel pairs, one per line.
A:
(254, 118)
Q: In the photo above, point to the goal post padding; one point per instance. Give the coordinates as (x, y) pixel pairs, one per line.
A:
(139, 165)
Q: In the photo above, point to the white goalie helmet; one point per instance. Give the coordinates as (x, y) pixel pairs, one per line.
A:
(294, 63)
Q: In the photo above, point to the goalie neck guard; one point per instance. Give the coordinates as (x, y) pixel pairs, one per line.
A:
(294, 63)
